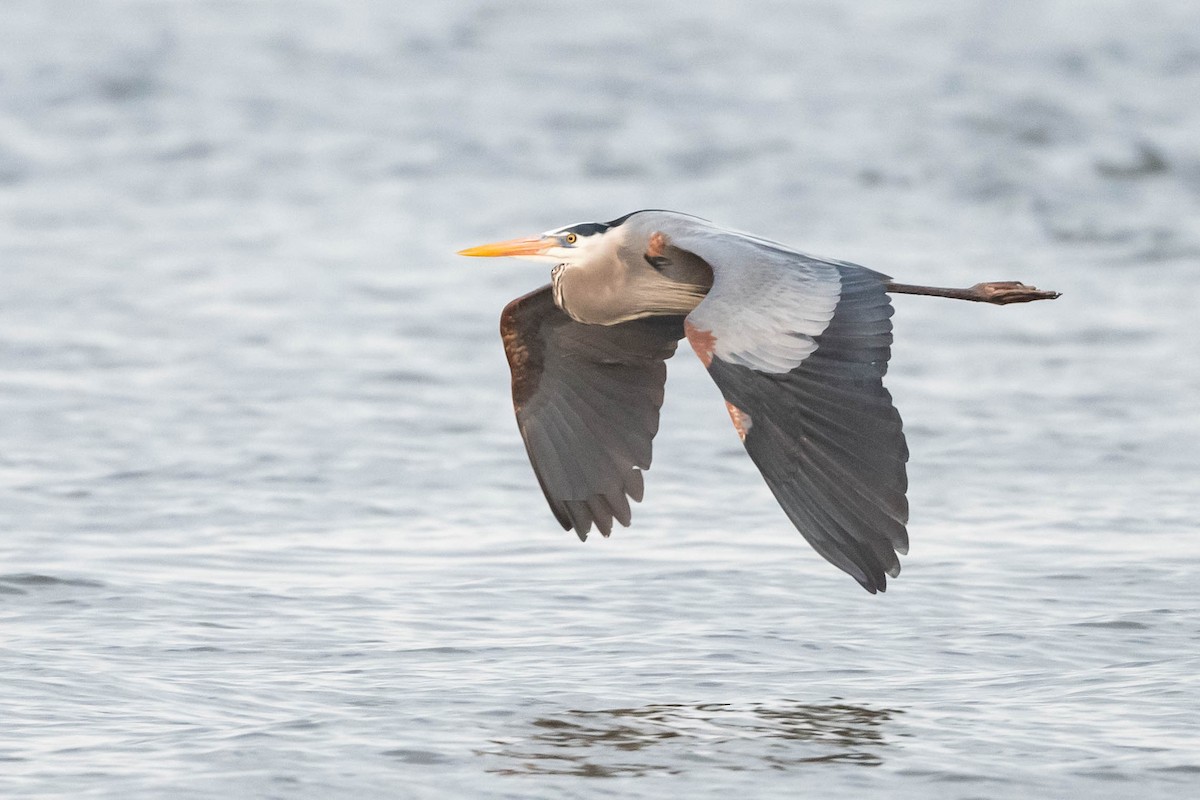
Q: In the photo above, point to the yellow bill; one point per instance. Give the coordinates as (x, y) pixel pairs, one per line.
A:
(529, 246)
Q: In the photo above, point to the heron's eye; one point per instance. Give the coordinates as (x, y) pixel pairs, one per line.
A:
(570, 238)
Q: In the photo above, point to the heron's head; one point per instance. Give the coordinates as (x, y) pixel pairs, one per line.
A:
(570, 246)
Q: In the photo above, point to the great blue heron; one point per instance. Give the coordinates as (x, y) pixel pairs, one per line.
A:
(798, 345)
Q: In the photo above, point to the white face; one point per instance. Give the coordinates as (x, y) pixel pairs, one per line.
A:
(569, 245)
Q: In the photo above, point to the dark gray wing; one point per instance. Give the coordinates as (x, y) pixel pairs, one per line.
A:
(798, 347)
(587, 400)
(828, 440)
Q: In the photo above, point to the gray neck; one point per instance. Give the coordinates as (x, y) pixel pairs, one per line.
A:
(608, 296)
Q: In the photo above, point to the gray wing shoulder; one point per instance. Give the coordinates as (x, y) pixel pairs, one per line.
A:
(767, 302)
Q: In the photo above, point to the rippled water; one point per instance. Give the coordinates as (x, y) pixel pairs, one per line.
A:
(268, 529)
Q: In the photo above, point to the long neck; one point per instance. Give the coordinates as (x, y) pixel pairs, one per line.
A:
(590, 294)
(603, 295)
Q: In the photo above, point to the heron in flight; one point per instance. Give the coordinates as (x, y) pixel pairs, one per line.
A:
(798, 346)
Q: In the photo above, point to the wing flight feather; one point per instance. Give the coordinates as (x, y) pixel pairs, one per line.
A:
(587, 399)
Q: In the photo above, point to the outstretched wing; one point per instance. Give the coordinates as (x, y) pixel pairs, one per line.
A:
(587, 400)
(799, 346)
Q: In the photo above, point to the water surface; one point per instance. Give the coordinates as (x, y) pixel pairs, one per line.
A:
(268, 528)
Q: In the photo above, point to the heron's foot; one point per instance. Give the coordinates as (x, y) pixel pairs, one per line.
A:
(996, 292)
(1004, 292)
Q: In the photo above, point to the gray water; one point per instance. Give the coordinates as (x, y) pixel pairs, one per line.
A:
(266, 525)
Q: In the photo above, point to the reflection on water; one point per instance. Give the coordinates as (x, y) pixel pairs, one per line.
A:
(663, 738)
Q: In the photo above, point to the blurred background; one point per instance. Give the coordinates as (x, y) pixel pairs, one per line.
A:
(266, 524)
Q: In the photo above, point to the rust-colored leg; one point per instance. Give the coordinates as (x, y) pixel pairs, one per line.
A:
(997, 292)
